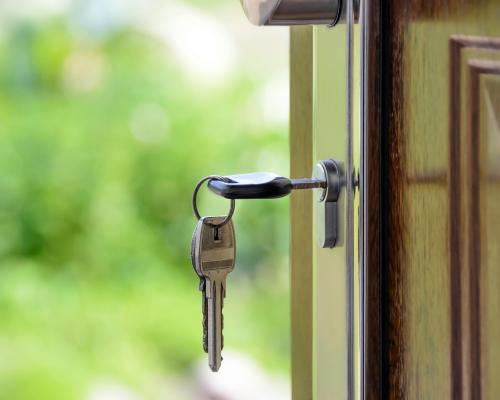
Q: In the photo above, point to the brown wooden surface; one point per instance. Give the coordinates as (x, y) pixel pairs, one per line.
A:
(301, 245)
(470, 58)
(483, 204)
(371, 128)
(487, 128)
(432, 329)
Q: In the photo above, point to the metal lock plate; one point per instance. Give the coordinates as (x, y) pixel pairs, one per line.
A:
(327, 214)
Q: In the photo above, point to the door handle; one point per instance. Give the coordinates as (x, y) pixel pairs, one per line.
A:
(328, 179)
(297, 12)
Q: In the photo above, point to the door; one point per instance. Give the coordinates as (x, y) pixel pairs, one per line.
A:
(416, 314)
(432, 112)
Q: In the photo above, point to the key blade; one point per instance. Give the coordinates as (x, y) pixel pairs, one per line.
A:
(214, 299)
(204, 311)
(195, 261)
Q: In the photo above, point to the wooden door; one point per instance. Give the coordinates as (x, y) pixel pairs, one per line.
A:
(428, 206)
(432, 127)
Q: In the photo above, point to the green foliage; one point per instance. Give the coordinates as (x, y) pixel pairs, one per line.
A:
(101, 143)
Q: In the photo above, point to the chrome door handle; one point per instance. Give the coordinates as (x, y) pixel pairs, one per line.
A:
(297, 12)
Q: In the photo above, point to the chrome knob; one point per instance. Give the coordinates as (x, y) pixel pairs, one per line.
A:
(296, 12)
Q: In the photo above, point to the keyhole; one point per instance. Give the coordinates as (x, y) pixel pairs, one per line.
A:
(217, 237)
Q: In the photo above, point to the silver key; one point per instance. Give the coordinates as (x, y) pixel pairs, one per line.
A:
(201, 286)
(214, 257)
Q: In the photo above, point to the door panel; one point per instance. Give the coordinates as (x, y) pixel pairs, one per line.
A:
(430, 215)
(488, 262)
(473, 147)
(437, 297)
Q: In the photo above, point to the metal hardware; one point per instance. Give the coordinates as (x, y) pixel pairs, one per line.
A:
(327, 181)
(195, 205)
(327, 206)
(297, 12)
(213, 258)
(351, 11)
(298, 184)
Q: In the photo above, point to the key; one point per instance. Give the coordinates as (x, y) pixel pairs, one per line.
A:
(214, 257)
(204, 310)
(260, 185)
(201, 286)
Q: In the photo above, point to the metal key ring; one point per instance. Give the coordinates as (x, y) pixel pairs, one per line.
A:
(195, 206)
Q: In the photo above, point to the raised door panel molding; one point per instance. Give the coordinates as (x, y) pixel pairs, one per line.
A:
(474, 102)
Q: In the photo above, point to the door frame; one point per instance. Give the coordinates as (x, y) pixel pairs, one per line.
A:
(372, 192)
(301, 211)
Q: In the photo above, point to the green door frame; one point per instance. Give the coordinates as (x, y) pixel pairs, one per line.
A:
(325, 291)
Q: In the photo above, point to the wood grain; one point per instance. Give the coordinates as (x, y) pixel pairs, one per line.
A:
(464, 204)
(476, 225)
(423, 306)
(372, 349)
(488, 262)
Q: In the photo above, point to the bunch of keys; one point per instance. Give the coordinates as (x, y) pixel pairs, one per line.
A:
(213, 253)
(213, 247)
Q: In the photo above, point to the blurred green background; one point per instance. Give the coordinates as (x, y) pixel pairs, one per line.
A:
(110, 111)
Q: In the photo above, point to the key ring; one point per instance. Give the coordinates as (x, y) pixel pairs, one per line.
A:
(195, 206)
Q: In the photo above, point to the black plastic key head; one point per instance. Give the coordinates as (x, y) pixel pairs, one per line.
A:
(258, 185)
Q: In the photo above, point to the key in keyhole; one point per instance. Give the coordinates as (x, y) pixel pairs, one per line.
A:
(328, 179)
(261, 185)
